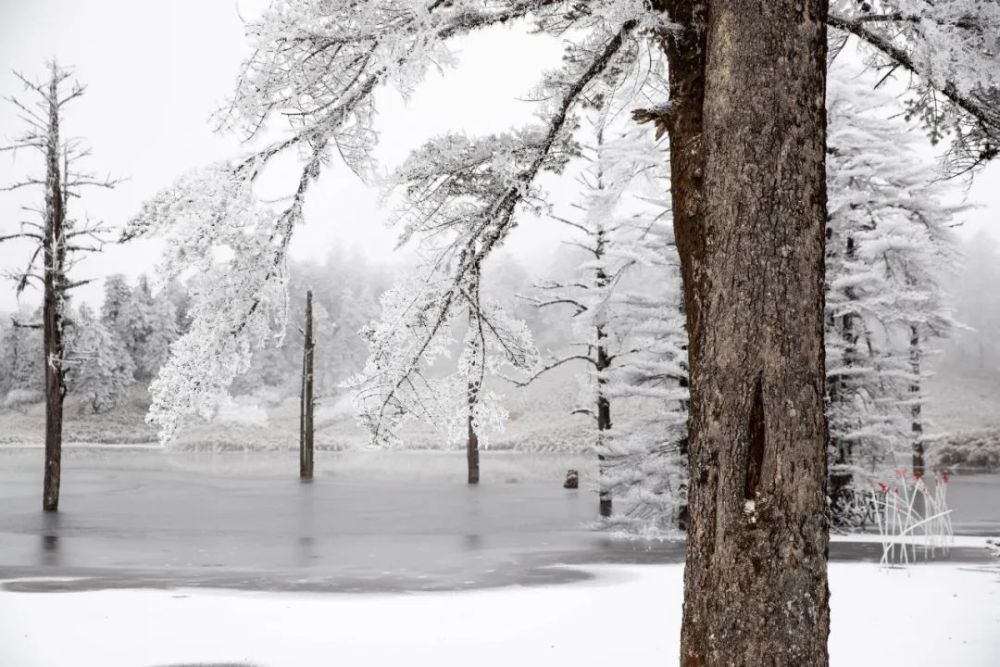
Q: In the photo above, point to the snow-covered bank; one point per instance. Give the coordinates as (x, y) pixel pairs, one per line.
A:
(938, 614)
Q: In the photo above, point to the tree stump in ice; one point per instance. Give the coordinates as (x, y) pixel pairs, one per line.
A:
(572, 480)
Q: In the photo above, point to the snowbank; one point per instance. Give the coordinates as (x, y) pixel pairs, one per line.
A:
(938, 614)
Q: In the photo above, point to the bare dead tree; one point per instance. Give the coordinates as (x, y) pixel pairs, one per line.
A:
(57, 242)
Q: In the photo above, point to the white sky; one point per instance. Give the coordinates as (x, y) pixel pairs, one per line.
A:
(156, 70)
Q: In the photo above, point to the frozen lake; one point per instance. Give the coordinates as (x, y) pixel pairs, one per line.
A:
(381, 521)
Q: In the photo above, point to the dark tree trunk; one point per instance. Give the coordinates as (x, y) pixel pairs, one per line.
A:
(307, 402)
(603, 362)
(54, 252)
(603, 421)
(472, 390)
(843, 389)
(472, 443)
(747, 129)
(916, 421)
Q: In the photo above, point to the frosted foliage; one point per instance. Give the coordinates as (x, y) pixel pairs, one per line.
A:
(888, 245)
(99, 367)
(222, 240)
(407, 375)
(314, 66)
(954, 48)
(623, 298)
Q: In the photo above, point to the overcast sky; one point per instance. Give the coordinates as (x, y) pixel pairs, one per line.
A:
(155, 71)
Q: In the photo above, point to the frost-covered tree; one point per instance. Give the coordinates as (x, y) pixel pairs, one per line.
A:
(100, 368)
(117, 295)
(148, 325)
(622, 326)
(888, 248)
(406, 377)
(21, 358)
(56, 242)
(746, 124)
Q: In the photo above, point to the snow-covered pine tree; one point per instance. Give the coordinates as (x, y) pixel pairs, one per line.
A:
(21, 374)
(889, 247)
(616, 298)
(117, 295)
(150, 326)
(100, 368)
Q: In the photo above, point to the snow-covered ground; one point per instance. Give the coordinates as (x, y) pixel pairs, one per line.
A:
(934, 615)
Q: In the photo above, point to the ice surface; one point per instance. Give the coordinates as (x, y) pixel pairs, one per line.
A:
(938, 614)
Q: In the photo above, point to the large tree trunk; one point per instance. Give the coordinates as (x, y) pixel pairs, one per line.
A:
(307, 402)
(747, 129)
(54, 251)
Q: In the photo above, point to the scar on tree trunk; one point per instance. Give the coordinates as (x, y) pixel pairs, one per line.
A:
(306, 402)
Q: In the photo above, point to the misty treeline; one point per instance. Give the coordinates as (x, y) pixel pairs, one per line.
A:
(107, 350)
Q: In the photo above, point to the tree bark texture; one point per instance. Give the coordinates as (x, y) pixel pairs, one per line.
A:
(307, 401)
(54, 279)
(747, 130)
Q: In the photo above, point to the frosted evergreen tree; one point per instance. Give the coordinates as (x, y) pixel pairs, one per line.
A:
(617, 299)
(21, 358)
(150, 326)
(889, 247)
(100, 368)
(117, 295)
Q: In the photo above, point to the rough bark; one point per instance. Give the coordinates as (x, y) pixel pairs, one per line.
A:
(747, 129)
(916, 420)
(54, 279)
(307, 402)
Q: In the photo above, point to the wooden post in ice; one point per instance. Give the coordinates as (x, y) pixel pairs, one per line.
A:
(306, 404)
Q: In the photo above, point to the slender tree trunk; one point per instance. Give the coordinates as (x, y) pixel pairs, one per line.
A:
(307, 402)
(603, 359)
(54, 252)
(747, 128)
(916, 421)
(472, 443)
(472, 389)
(841, 478)
(603, 421)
